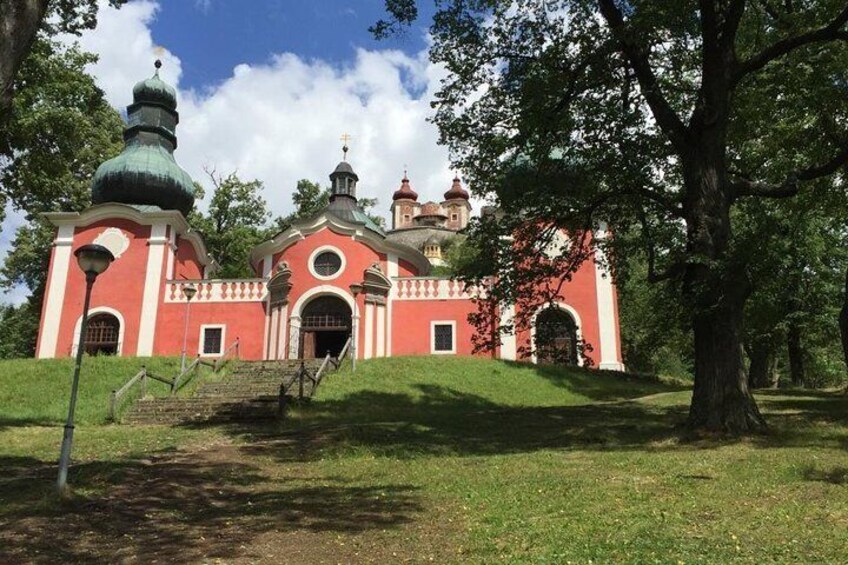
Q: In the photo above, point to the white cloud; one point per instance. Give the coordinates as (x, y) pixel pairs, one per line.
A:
(280, 121)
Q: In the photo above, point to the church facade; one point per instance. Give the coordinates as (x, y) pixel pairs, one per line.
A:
(329, 282)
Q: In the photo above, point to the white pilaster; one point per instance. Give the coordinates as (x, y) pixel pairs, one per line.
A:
(610, 351)
(266, 266)
(152, 287)
(368, 351)
(294, 336)
(391, 272)
(267, 336)
(56, 292)
(272, 334)
(381, 330)
(281, 333)
(509, 350)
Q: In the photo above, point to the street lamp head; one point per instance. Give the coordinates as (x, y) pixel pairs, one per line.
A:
(93, 259)
(189, 290)
(355, 289)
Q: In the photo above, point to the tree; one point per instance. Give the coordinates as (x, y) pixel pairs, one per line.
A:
(237, 220)
(57, 132)
(665, 113)
(20, 23)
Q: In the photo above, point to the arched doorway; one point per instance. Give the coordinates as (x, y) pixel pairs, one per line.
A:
(556, 337)
(102, 334)
(325, 326)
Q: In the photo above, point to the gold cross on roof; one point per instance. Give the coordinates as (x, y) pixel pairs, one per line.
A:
(345, 138)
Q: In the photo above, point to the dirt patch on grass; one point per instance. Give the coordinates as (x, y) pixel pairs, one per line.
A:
(208, 504)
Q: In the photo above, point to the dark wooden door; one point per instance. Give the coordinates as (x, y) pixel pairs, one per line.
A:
(308, 351)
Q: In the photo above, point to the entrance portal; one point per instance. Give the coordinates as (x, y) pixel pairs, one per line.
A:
(325, 327)
(556, 338)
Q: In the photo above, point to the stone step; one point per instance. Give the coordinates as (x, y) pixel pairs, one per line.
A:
(249, 393)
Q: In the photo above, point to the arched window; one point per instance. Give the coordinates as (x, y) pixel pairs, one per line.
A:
(102, 334)
(556, 337)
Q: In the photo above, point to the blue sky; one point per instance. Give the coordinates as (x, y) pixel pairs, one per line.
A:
(213, 36)
(267, 87)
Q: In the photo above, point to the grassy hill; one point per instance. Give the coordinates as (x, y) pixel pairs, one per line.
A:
(431, 459)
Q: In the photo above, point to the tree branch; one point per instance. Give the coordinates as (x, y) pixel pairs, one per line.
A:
(831, 32)
(789, 187)
(666, 117)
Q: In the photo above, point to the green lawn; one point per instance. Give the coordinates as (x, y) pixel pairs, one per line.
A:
(434, 460)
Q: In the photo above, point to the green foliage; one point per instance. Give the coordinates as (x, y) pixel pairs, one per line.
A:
(18, 328)
(236, 221)
(59, 131)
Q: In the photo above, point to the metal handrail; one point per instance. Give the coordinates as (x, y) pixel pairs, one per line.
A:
(344, 352)
(177, 384)
(116, 395)
(317, 378)
(222, 360)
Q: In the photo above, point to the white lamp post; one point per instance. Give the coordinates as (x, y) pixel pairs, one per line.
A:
(189, 290)
(92, 259)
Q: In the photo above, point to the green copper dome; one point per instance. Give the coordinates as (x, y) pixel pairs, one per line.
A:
(155, 90)
(145, 173)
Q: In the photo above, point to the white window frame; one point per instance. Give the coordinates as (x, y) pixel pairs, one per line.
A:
(310, 263)
(201, 340)
(433, 325)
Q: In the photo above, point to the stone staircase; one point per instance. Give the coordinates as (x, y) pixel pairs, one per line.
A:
(250, 392)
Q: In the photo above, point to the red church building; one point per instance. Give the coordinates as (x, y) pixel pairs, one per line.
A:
(322, 281)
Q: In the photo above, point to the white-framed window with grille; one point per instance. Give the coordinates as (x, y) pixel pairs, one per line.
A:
(443, 337)
(211, 341)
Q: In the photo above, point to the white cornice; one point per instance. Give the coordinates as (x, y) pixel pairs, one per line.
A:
(357, 232)
(110, 210)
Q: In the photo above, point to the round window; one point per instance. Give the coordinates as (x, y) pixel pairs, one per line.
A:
(327, 264)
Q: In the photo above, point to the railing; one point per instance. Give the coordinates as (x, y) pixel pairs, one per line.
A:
(176, 384)
(224, 359)
(303, 374)
(345, 350)
(432, 288)
(235, 290)
(140, 378)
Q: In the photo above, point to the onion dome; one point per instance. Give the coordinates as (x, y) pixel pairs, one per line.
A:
(432, 241)
(431, 209)
(145, 173)
(456, 190)
(405, 191)
(155, 91)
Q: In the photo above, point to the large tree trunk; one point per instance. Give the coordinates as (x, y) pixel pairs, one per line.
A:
(843, 321)
(761, 371)
(19, 22)
(721, 399)
(796, 354)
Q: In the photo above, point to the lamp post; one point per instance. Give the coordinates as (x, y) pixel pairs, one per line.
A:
(92, 260)
(189, 290)
(355, 289)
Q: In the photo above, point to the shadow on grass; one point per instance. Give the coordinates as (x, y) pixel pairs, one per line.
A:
(445, 421)
(602, 386)
(178, 509)
(836, 476)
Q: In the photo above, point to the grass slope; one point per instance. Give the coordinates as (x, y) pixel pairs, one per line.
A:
(37, 391)
(443, 460)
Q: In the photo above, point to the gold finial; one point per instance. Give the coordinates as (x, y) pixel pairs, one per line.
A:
(345, 138)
